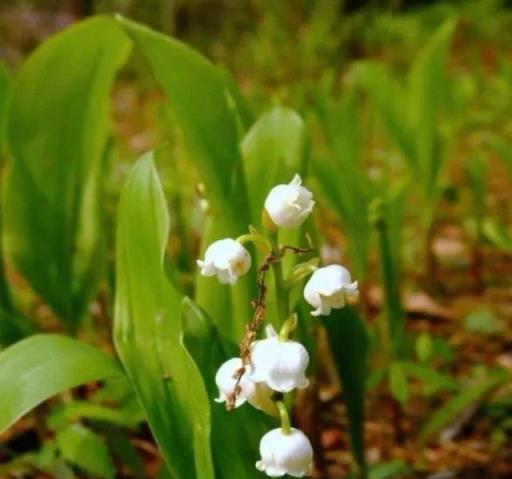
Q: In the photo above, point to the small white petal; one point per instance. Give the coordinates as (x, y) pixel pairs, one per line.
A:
(270, 331)
(282, 454)
(280, 364)
(226, 382)
(289, 205)
(227, 259)
(328, 288)
(259, 395)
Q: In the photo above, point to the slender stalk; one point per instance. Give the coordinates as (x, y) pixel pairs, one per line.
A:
(395, 330)
(282, 294)
(288, 326)
(390, 281)
(285, 419)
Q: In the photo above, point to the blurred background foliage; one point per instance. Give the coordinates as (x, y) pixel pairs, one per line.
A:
(399, 115)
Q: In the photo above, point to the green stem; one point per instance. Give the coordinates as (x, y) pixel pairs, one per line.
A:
(391, 285)
(258, 240)
(282, 294)
(285, 419)
(288, 326)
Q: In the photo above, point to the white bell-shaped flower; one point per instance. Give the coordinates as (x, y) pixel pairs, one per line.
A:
(281, 364)
(285, 453)
(328, 288)
(289, 205)
(227, 259)
(258, 395)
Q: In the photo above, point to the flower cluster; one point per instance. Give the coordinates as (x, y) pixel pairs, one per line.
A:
(271, 367)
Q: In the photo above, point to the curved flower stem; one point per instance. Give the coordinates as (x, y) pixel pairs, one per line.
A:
(288, 326)
(285, 419)
(282, 294)
(259, 241)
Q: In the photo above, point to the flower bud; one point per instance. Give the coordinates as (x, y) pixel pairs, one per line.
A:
(289, 205)
(328, 288)
(258, 395)
(285, 453)
(280, 364)
(227, 259)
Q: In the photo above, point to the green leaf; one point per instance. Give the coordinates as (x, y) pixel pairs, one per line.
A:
(433, 380)
(199, 95)
(477, 179)
(428, 91)
(42, 366)
(398, 382)
(464, 399)
(386, 213)
(147, 330)
(82, 447)
(5, 88)
(424, 347)
(210, 112)
(389, 470)
(57, 132)
(75, 410)
(497, 234)
(273, 152)
(13, 326)
(122, 449)
(483, 321)
(390, 99)
(348, 340)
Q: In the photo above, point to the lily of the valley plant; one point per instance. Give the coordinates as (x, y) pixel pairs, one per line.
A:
(269, 368)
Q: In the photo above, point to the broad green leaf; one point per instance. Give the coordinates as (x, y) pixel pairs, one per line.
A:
(213, 118)
(148, 330)
(464, 399)
(82, 447)
(57, 130)
(273, 152)
(42, 366)
(199, 96)
(235, 435)
(349, 345)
